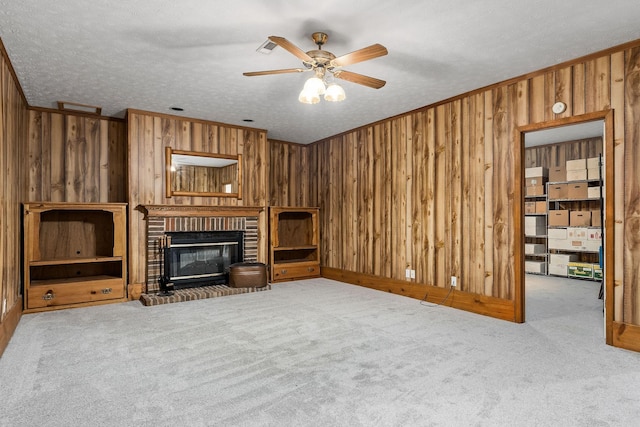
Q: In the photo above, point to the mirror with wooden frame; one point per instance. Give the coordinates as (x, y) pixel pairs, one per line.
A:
(191, 173)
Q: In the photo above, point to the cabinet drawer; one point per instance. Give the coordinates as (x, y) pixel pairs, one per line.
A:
(57, 294)
(293, 271)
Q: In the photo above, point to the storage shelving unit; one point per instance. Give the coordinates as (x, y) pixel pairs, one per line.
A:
(74, 254)
(536, 250)
(573, 243)
(294, 250)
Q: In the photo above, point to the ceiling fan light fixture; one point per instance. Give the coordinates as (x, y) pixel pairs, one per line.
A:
(335, 93)
(309, 96)
(315, 84)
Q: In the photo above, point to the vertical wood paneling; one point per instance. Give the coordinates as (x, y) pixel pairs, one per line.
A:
(489, 194)
(75, 158)
(419, 196)
(631, 298)
(501, 140)
(475, 179)
(579, 99)
(441, 204)
(454, 177)
(618, 105)
(429, 201)
(564, 83)
(14, 188)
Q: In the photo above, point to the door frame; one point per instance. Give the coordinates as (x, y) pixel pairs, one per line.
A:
(609, 203)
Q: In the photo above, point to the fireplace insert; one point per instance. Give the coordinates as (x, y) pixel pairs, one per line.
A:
(193, 259)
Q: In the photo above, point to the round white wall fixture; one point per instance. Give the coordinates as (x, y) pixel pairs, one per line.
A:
(559, 107)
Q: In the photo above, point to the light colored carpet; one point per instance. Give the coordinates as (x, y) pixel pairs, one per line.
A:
(321, 353)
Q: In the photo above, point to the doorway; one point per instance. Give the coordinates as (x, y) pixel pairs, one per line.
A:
(537, 258)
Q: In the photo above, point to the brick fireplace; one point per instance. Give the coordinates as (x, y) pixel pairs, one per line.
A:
(161, 219)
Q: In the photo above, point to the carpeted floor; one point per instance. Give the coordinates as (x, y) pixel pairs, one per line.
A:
(321, 353)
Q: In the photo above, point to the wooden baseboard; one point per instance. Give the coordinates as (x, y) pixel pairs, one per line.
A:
(626, 335)
(9, 324)
(474, 303)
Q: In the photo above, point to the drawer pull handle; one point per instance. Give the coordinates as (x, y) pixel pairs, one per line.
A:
(48, 296)
(106, 291)
(283, 271)
(310, 269)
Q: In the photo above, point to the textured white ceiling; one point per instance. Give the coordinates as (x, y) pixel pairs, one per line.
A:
(155, 54)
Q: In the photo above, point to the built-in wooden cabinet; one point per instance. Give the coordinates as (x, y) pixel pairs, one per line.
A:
(294, 251)
(74, 254)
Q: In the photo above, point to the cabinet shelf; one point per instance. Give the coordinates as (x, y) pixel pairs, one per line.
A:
(65, 261)
(294, 248)
(77, 280)
(294, 251)
(74, 254)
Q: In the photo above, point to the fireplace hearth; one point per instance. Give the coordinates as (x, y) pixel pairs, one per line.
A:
(199, 258)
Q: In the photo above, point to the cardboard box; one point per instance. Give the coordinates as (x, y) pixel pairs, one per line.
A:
(558, 269)
(577, 175)
(593, 162)
(538, 180)
(596, 220)
(562, 259)
(557, 233)
(529, 207)
(535, 267)
(534, 190)
(558, 263)
(593, 192)
(541, 207)
(534, 226)
(580, 218)
(593, 173)
(577, 164)
(558, 218)
(577, 190)
(534, 248)
(534, 172)
(557, 174)
(580, 269)
(564, 244)
(558, 191)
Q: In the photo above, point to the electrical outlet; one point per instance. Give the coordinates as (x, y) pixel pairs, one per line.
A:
(413, 274)
(454, 281)
(407, 273)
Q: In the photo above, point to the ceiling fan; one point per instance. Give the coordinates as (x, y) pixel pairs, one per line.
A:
(326, 65)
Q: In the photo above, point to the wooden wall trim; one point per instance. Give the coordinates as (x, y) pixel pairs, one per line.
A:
(475, 303)
(193, 210)
(190, 119)
(76, 114)
(513, 80)
(278, 141)
(626, 335)
(9, 324)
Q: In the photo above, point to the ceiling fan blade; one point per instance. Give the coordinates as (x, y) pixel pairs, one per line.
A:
(287, 45)
(283, 71)
(364, 54)
(360, 79)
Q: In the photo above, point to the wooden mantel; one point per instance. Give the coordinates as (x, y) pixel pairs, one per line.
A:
(191, 210)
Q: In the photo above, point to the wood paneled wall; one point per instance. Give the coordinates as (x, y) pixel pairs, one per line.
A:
(433, 190)
(149, 134)
(76, 158)
(557, 154)
(13, 133)
(289, 175)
